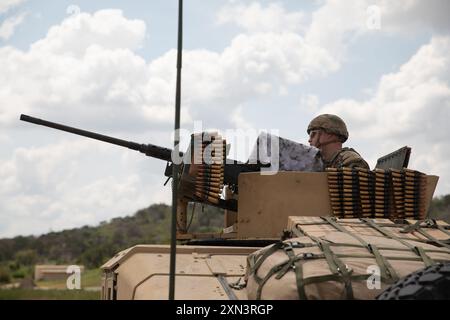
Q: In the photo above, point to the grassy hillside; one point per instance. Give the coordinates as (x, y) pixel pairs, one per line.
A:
(53, 294)
(440, 208)
(92, 246)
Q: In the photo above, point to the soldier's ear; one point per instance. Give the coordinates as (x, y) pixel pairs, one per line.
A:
(328, 135)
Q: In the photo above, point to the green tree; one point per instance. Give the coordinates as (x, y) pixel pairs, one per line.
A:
(5, 277)
(26, 257)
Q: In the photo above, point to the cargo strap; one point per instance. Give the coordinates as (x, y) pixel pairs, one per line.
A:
(238, 285)
(411, 227)
(417, 227)
(438, 226)
(226, 287)
(417, 250)
(338, 267)
(292, 263)
(257, 262)
(386, 248)
(340, 271)
(387, 271)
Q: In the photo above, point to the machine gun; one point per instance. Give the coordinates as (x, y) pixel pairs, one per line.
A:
(205, 170)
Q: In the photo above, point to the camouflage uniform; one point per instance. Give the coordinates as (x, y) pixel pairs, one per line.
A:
(346, 157)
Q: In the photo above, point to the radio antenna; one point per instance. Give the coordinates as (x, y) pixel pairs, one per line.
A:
(173, 240)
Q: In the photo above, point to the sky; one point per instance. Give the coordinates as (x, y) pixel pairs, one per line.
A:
(110, 66)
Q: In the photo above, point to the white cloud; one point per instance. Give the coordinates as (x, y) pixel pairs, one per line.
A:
(337, 24)
(409, 107)
(87, 66)
(44, 187)
(8, 26)
(88, 63)
(309, 102)
(415, 15)
(239, 121)
(255, 18)
(6, 5)
(107, 28)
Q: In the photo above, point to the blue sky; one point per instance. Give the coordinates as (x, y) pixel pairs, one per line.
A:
(110, 67)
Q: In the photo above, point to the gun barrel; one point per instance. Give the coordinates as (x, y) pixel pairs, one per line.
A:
(149, 149)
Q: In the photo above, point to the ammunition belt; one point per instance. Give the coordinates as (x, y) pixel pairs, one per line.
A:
(361, 193)
(209, 155)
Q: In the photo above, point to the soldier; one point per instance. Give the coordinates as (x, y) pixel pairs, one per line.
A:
(328, 132)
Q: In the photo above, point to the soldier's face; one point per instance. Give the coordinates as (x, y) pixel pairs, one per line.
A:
(314, 138)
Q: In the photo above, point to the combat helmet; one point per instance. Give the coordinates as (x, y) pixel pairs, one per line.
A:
(329, 123)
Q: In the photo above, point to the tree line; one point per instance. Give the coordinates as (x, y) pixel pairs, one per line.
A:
(93, 246)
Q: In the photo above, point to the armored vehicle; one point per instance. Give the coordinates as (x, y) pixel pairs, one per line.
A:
(290, 222)
(292, 229)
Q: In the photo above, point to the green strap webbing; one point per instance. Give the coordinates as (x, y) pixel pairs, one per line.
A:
(412, 227)
(271, 250)
(294, 263)
(417, 250)
(415, 258)
(417, 227)
(433, 239)
(279, 267)
(386, 269)
(290, 253)
(334, 263)
(297, 232)
(338, 266)
(441, 228)
(226, 287)
(311, 223)
(426, 259)
(302, 282)
(386, 233)
(334, 277)
(256, 263)
(299, 279)
(329, 257)
(304, 233)
(338, 227)
(385, 248)
(261, 284)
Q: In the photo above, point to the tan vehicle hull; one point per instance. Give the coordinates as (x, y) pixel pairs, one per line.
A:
(205, 272)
